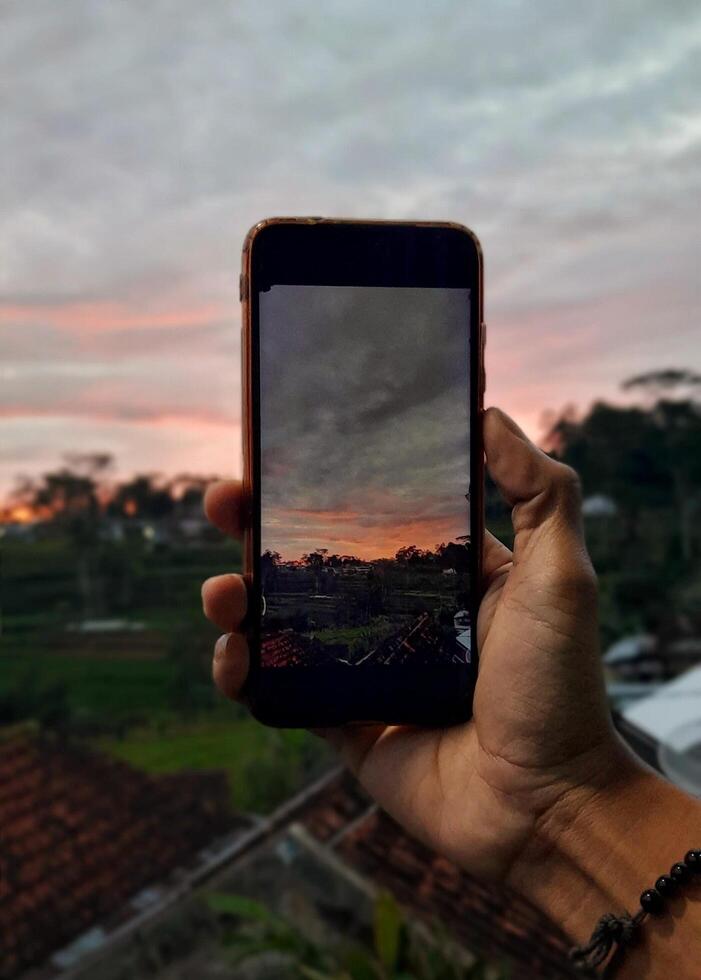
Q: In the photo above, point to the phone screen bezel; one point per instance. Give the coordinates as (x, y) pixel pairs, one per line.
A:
(330, 252)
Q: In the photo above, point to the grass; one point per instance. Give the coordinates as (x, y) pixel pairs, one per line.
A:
(117, 688)
(341, 635)
(263, 765)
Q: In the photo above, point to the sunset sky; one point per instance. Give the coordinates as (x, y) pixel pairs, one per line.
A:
(140, 141)
(364, 416)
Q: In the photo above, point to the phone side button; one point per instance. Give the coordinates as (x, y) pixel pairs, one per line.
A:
(483, 376)
(263, 606)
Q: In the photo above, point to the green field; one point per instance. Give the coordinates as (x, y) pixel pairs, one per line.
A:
(119, 688)
(263, 765)
(145, 697)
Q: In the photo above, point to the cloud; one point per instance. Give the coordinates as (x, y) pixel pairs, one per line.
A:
(145, 138)
(38, 443)
(364, 414)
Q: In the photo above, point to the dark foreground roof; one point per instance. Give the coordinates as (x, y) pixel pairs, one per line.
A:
(81, 833)
(488, 918)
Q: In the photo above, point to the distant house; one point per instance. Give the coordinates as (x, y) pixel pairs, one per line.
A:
(641, 657)
(630, 649)
(112, 530)
(598, 506)
(116, 530)
(461, 621)
(193, 528)
(665, 729)
(351, 570)
(464, 641)
(18, 531)
(106, 626)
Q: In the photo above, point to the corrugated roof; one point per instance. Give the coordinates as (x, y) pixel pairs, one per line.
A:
(673, 706)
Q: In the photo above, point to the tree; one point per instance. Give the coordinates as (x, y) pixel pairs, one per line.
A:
(411, 554)
(142, 496)
(454, 555)
(315, 559)
(679, 419)
(655, 384)
(72, 497)
(646, 457)
(187, 491)
(269, 562)
(680, 424)
(617, 451)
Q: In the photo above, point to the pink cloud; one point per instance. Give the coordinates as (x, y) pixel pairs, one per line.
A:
(89, 318)
(152, 417)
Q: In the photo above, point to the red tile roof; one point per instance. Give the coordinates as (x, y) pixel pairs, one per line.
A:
(488, 918)
(80, 833)
(283, 650)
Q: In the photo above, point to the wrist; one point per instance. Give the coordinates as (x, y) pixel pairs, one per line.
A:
(607, 838)
(568, 868)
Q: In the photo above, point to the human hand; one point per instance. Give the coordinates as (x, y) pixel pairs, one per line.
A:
(478, 792)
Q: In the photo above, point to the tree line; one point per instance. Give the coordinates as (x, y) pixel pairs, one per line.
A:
(454, 554)
(83, 490)
(646, 457)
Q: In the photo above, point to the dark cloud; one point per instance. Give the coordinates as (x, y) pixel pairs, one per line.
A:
(364, 404)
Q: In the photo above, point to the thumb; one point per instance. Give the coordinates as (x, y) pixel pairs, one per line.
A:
(544, 494)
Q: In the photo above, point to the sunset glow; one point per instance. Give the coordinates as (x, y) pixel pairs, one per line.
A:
(342, 535)
(87, 319)
(21, 514)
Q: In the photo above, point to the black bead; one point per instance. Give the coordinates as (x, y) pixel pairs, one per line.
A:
(652, 902)
(666, 886)
(693, 862)
(680, 872)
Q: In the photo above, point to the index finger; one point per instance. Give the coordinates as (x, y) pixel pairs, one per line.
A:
(223, 505)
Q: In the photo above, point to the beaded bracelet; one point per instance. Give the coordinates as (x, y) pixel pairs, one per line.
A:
(614, 932)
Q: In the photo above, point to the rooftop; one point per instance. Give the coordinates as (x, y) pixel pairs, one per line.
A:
(81, 834)
(490, 919)
(92, 850)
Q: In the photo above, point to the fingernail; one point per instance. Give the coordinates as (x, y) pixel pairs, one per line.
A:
(220, 647)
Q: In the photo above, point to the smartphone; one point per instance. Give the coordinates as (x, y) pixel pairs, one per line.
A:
(363, 380)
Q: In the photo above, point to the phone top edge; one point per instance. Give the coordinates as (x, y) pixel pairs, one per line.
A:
(307, 220)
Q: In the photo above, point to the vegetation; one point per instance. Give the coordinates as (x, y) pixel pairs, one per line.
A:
(647, 460)
(120, 653)
(264, 766)
(132, 555)
(395, 950)
(643, 462)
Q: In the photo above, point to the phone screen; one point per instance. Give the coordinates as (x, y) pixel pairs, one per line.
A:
(364, 475)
